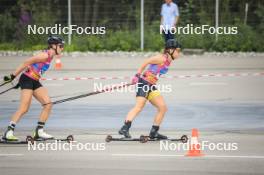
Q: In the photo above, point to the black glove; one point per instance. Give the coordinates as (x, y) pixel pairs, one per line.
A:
(138, 75)
(135, 79)
(10, 78)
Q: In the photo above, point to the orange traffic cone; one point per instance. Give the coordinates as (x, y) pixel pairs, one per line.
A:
(195, 149)
(58, 64)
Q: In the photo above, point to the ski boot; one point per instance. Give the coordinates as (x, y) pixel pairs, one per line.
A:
(155, 135)
(40, 134)
(125, 129)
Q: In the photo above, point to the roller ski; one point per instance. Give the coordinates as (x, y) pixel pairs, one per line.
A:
(124, 131)
(110, 138)
(41, 136)
(68, 139)
(154, 135)
(26, 141)
(9, 138)
(144, 139)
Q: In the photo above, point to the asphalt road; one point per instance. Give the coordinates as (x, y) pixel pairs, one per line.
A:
(226, 110)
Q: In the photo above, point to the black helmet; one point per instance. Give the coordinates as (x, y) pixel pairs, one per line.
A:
(172, 44)
(55, 40)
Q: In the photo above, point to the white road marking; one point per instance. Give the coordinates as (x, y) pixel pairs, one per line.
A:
(147, 155)
(173, 155)
(245, 157)
(208, 84)
(6, 155)
(168, 155)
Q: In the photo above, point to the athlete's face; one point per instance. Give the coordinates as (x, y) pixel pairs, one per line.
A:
(60, 48)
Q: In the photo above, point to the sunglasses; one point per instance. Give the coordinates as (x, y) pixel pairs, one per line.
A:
(61, 46)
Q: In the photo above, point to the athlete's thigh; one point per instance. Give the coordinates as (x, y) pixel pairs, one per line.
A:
(140, 101)
(41, 94)
(25, 98)
(158, 101)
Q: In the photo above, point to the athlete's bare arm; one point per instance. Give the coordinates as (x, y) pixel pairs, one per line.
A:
(41, 57)
(158, 59)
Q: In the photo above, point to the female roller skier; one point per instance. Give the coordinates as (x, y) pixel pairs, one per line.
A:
(147, 91)
(31, 70)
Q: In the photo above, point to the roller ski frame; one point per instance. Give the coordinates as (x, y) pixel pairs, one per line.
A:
(28, 139)
(68, 139)
(183, 139)
(144, 139)
(110, 138)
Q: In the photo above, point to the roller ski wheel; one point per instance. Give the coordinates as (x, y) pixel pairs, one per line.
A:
(108, 138)
(30, 139)
(70, 138)
(143, 139)
(184, 139)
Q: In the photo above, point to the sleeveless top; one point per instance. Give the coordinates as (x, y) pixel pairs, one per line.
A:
(154, 71)
(35, 70)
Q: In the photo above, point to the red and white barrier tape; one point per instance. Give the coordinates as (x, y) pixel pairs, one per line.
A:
(167, 77)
